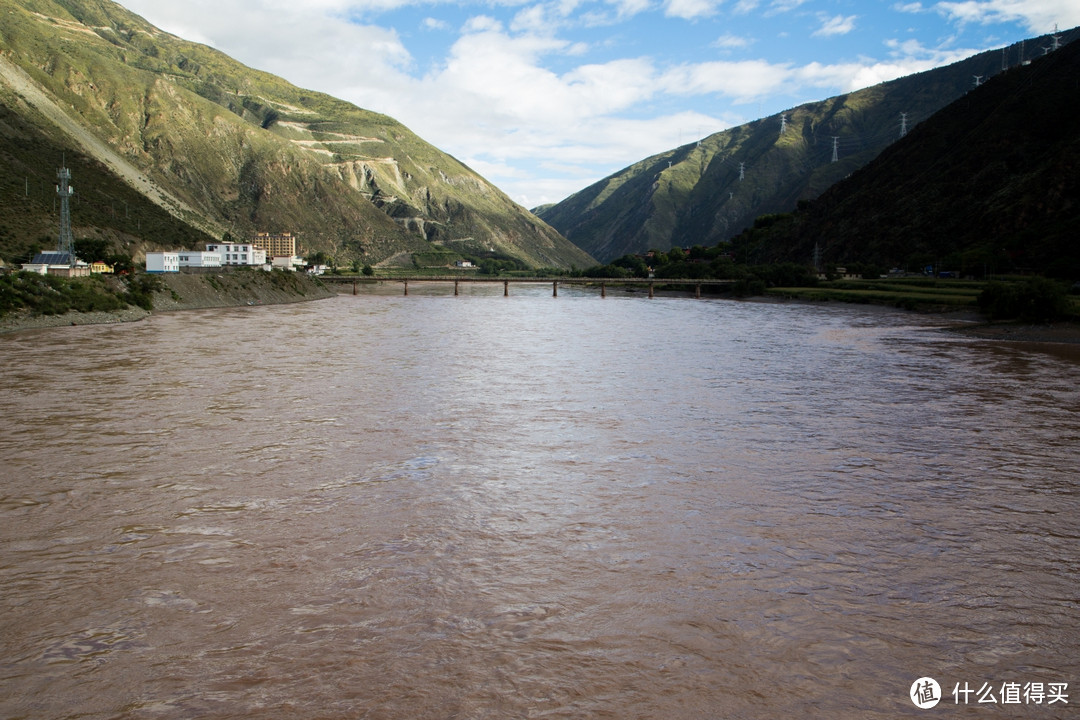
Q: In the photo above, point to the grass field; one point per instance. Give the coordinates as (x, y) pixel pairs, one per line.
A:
(914, 294)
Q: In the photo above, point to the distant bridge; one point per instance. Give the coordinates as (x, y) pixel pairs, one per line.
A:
(651, 283)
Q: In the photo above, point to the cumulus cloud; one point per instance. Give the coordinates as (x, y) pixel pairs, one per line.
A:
(743, 80)
(530, 95)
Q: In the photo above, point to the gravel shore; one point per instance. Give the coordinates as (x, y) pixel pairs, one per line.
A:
(1057, 332)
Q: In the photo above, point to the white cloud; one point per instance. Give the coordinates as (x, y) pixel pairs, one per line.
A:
(838, 25)
(534, 98)
(689, 9)
(743, 80)
(1038, 15)
(482, 24)
(732, 42)
(783, 6)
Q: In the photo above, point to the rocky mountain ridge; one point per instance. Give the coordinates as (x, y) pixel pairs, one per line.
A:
(228, 149)
(708, 191)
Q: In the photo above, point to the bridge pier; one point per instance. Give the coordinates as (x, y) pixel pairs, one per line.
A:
(455, 288)
(406, 287)
(506, 288)
(650, 291)
(555, 288)
(603, 290)
(697, 291)
(353, 287)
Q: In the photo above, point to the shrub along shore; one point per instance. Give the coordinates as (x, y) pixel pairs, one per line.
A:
(29, 301)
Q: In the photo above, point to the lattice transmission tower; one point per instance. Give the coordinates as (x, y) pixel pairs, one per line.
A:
(65, 191)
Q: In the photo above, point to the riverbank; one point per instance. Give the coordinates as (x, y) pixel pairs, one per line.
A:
(1056, 332)
(183, 291)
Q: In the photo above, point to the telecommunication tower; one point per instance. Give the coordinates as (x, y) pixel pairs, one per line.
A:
(65, 191)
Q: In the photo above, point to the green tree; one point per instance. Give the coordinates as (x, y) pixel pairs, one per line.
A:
(1036, 299)
(91, 250)
(121, 264)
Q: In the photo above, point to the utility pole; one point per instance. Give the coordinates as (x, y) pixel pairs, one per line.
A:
(1055, 39)
(783, 122)
(978, 80)
(835, 148)
(742, 171)
(903, 124)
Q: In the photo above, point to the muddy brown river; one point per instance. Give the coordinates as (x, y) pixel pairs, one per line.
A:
(533, 507)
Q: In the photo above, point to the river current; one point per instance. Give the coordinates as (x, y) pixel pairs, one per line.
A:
(430, 506)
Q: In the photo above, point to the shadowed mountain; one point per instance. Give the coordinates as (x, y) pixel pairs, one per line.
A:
(225, 148)
(990, 184)
(706, 192)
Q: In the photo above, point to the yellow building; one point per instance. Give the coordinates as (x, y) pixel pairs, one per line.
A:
(99, 267)
(282, 245)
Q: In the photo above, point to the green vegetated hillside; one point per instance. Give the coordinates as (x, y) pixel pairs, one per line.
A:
(708, 191)
(103, 208)
(989, 185)
(225, 148)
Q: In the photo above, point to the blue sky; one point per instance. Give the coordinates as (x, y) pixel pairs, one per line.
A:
(545, 97)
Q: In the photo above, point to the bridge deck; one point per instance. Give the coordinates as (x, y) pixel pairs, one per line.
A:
(559, 280)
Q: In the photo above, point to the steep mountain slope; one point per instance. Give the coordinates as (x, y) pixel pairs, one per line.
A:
(990, 184)
(103, 208)
(230, 149)
(706, 192)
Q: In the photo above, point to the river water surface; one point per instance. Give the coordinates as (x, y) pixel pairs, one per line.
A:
(535, 507)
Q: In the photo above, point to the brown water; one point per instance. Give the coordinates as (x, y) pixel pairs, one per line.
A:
(527, 507)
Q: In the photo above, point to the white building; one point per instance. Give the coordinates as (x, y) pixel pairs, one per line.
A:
(162, 262)
(238, 253)
(281, 262)
(199, 259)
